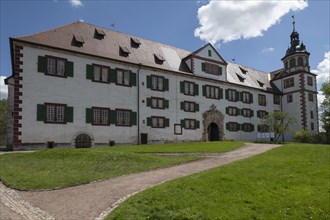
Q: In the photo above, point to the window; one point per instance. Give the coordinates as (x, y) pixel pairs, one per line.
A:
(276, 99)
(157, 83)
(159, 59)
(99, 34)
(231, 111)
(247, 112)
(55, 113)
(158, 103)
(157, 122)
(212, 69)
(288, 83)
(262, 99)
(77, 41)
(212, 92)
(311, 114)
(289, 98)
(123, 77)
(189, 124)
(124, 51)
(232, 126)
(101, 73)
(232, 95)
(189, 106)
(123, 117)
(247, 127)
(101, 116)
(189, 88)
(300, 61)
(310, 97)
(292, 63)
(309, 80)
(312, 126)
(209, 53)
(56, 66)
(135, 42)
(247, 97)
(262, 114)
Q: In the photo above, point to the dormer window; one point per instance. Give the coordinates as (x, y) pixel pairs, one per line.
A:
(135, 42)
(159, 59)
(209, 53)
(77, 41)
(244, 71)
(240, 77)
(99, 34)
(261, 84)
(212, 69)
(124, 51)
(292, 63)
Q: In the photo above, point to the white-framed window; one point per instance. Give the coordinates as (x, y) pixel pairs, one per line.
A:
(123, 77)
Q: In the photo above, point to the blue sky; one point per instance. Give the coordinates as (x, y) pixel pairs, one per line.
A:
(255, 33)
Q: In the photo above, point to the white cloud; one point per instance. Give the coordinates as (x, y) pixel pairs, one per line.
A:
(224, 21)
(267, 50)
(76, 3)
(323, 70)
(3, 88)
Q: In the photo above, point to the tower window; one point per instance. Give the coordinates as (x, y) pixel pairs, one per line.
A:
(309, 80)
(289, 98)
(292, 63)
(288, 83)
(300, 61)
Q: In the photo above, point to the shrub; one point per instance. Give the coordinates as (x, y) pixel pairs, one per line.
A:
(303, 136)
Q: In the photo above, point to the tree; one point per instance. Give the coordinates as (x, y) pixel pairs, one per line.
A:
(303, 136)
(3, 121)
(278, 122)
(325, 108)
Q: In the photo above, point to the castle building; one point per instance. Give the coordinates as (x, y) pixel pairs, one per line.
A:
(81, 85)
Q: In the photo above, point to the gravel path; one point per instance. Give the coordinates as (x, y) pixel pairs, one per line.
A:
(98, 199)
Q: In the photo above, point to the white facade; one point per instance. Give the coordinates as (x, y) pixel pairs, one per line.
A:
(78, 92)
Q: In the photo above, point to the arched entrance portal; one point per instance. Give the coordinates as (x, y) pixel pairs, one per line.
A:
(213, 125)
(83, 141)
(213, 131)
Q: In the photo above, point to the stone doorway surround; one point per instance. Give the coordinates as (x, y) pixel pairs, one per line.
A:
(212, 116)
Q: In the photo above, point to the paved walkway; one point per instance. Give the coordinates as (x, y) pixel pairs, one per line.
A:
(96, 200)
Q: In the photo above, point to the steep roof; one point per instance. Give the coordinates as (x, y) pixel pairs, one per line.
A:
(93, 40)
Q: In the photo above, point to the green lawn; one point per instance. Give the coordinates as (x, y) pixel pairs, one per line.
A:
(191, 147)
(289, 182)
(58, 168)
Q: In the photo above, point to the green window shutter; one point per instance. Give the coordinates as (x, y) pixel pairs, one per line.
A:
(196, 89)
(203, 67)
(69, 114)
(69, 68)
(237, 96)
(220, 70)
(41, 109)
(42, 64)
(221, 93)
(197, 124)
(183, 123)
(239, 126)
(133, 118)
(252, 127)
(113, 117)
(149, 82)
(258, 114)
(182, 105)
(148, 102)
(196, 107)
(113, 75)
(240, 96)
(227, 126)
(251, 98)
(239, 111)
(182, 87)
(166, 103)
(252, 113)
(167, 122)
(166, 86)
(227, 110)
(149, 121)
(204, 90)
(133, 79)
(89, 115)
(227, 94)
(89, 72)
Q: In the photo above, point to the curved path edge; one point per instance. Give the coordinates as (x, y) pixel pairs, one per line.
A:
(98, 199)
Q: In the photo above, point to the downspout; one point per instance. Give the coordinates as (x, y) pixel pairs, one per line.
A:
(282, 104)
(138, 103)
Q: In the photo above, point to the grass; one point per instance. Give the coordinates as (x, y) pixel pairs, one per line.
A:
(59, 168)
(191, 147)
(290, 182)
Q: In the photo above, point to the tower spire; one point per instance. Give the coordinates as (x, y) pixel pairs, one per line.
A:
(293, 23)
